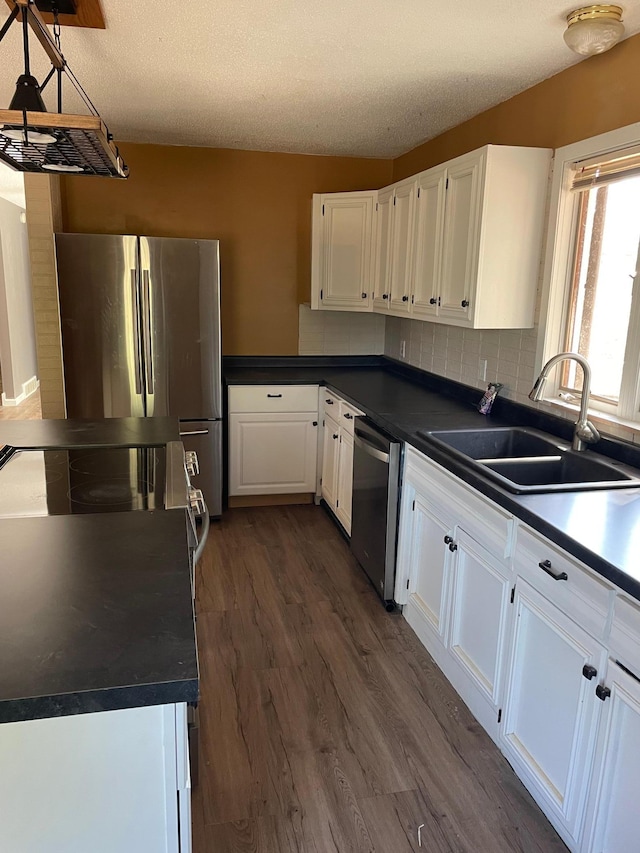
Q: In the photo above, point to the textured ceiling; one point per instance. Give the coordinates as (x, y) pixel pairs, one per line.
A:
(363, 77)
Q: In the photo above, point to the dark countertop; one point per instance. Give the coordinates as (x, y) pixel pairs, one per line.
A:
(80, 433)
(95, 614)
(600, 528)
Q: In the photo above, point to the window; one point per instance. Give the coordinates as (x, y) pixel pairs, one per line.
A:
(593, 290)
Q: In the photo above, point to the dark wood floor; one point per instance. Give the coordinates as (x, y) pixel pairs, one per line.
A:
(325, 726)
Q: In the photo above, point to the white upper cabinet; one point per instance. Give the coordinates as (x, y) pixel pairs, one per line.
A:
(341, 255)
(402, 240)
(460, 239)
(382, 283)
(428, 242)
(479, 233)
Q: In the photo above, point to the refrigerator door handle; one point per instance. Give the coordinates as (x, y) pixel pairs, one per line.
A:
(136, 332)
(148, 342)
(195, 432)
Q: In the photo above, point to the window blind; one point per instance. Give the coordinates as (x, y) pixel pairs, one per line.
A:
(605, 169)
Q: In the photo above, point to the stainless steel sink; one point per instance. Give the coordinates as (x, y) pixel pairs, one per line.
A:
(523, 460)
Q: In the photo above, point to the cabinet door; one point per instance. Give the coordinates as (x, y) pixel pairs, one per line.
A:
(551, 708)
(428, 249)
(479, 602)
(272, 454)
(429, 570)
(346, 240)
(382, 286)
(461, 239)
(402, 241)
(345, 480)
(617, 771)
(330, 461)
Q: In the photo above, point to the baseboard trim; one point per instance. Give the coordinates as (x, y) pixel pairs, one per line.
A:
(269, 500)
(28, 388)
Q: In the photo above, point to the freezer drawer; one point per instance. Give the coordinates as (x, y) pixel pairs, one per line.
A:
(205, 437)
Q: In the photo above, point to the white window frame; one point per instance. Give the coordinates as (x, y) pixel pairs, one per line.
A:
(560, 258)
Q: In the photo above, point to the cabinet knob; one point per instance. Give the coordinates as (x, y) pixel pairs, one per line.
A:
(465, 303)
(329, 401)
(364, 295)
(405, 298)
(589, 671)
(546, 566)
(385, 295)
(453, 546)
(335, 435)
(349, 417)
(433, 301)
(314, 423)
(602, 692)
(448, 540)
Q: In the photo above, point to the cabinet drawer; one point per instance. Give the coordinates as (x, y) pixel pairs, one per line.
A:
(581, 595)
(331, 403)
(348, 414)
(485, 522)
(273, 398)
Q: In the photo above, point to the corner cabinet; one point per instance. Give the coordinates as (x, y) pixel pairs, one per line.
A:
(273, 439)
(342, 251)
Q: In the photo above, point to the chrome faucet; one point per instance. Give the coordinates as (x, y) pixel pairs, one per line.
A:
(584, 433)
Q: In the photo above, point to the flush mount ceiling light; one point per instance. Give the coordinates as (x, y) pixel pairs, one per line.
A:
(594, 29)
(33, 140)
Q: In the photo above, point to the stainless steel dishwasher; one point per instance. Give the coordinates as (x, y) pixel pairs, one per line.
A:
(374, 516)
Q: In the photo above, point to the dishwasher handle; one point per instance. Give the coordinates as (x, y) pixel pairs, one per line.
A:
(370, 449)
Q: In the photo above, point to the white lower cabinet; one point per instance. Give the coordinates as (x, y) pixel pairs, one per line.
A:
(344, 492)
(273, 439)
(337, 459)
(479, 609)
(272, 453)
(545, 652)
(614, 805)
(550, 707)
(102, 782)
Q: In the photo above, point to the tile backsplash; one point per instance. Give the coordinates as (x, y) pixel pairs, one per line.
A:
(340, 333)
(461, 354)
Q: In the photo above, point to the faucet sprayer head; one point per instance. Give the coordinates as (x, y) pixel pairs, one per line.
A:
(536, 392)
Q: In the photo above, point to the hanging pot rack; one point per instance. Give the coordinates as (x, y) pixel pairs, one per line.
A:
(34, 140)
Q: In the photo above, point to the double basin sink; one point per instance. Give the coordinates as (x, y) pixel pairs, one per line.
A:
(525, 460)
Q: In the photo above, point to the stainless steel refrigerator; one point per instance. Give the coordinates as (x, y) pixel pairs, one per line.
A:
(141, 337)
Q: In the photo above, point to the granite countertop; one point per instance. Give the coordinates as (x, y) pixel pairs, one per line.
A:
(96, 611)
(82, 433)
(601, 528)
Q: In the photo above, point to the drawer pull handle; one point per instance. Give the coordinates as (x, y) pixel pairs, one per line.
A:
(589, 671)
(274, 395)
(349, 417)
(448, 540)
(546, 566)
(329, 402)
(602, 692)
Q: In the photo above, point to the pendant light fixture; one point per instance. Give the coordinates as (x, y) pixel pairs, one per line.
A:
(594, 29)
(34, 140)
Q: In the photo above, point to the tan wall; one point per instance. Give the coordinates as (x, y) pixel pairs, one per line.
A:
(591, 97)
(43, 220)
(257, 204)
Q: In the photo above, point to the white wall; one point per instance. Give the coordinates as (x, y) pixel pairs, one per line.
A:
(17, 336)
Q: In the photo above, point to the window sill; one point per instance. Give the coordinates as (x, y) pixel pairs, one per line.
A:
(607, 424)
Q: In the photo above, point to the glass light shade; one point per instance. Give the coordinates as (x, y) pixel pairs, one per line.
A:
(62, 167)
(33, 136)
(588, 37)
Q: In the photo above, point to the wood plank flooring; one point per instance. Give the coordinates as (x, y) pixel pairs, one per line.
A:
(325, 725)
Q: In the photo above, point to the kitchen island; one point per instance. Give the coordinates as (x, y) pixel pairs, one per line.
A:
(97, 664)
